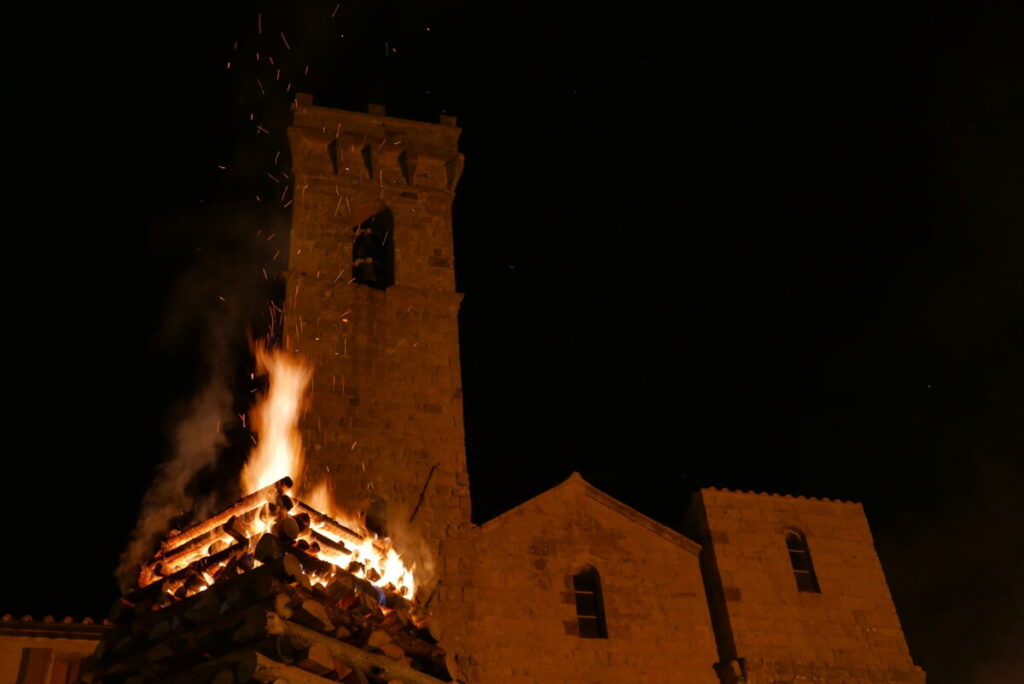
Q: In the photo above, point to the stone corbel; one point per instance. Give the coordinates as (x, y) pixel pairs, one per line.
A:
(407, 161)
(453, 170)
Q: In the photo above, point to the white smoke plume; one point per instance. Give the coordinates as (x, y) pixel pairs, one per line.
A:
(198, 441)
(207, 314)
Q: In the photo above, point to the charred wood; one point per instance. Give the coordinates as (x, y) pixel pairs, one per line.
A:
(269, 493)
(368, 663)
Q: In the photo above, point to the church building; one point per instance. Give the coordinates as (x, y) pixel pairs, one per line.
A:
(569, 587)
(572, 585)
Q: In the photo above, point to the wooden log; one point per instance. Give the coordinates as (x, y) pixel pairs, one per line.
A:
(368, 663)
(318, 519)
(225, 676)
(312, 614)
(234, 529)
(341, 586)
(268, 547)
(244, 505)
(257, 586)
(217, 634)
(316, 659)
(207, 607)
(311, 565)
(393, 650)
(283, 649)
(378, 638)
(326, 543)
(148, 575)
(260, 668)
(356, 677)
(283, 605)
(250, 629)
(248, 666)
(417, 647)
(155, 589)
(342, 669)
(286, 528)
(293, 568)
(237, 528)
(254, 584)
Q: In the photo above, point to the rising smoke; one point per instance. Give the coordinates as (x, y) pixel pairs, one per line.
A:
(223, 294)
(198, 441)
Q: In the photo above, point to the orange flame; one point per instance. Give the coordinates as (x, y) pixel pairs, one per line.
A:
(378, 562)
(276, 418)
(279, 454)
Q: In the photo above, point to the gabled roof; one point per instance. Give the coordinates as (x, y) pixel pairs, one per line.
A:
(576, 482)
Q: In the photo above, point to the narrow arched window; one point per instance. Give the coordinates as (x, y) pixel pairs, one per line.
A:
(373, 253)
(800, 559)
(589, 604)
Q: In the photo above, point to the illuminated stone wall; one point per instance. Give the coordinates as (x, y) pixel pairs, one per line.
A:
(518, 619)
(847, 632)
(385, 421)
(385, 426)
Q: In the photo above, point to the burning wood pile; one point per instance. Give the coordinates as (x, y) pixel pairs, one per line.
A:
(270, 590)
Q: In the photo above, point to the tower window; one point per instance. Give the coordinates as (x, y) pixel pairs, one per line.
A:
(589, 604)
(373, 252)
(800, 559)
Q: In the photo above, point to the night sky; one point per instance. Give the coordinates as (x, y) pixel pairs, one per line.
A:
(777, 248)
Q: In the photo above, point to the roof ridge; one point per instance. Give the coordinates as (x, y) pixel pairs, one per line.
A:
(624, 509)
(575, 479)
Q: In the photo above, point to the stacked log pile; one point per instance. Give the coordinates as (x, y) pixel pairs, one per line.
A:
(270, 625)
(263, 609)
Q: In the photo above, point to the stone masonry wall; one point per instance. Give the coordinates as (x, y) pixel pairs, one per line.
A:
(849, 632)
(385, 420)
(514, 609)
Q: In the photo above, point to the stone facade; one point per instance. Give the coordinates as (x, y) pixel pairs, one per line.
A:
(515, 617)
(385, 425)
(768, 630)
(385, 421)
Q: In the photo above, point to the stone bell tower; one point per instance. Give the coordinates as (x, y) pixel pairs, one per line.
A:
(371, 301)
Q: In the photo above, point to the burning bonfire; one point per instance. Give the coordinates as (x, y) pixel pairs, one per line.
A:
(268, 520)
(279, 589)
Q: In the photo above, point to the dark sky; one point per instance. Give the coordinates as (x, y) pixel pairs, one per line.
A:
(776, 248)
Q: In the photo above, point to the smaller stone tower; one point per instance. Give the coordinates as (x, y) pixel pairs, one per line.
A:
(796, 591)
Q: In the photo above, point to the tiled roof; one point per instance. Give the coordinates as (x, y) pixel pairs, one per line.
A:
(48, 626)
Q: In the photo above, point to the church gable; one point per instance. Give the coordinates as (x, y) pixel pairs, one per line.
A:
(580, 500)
(581, 586)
